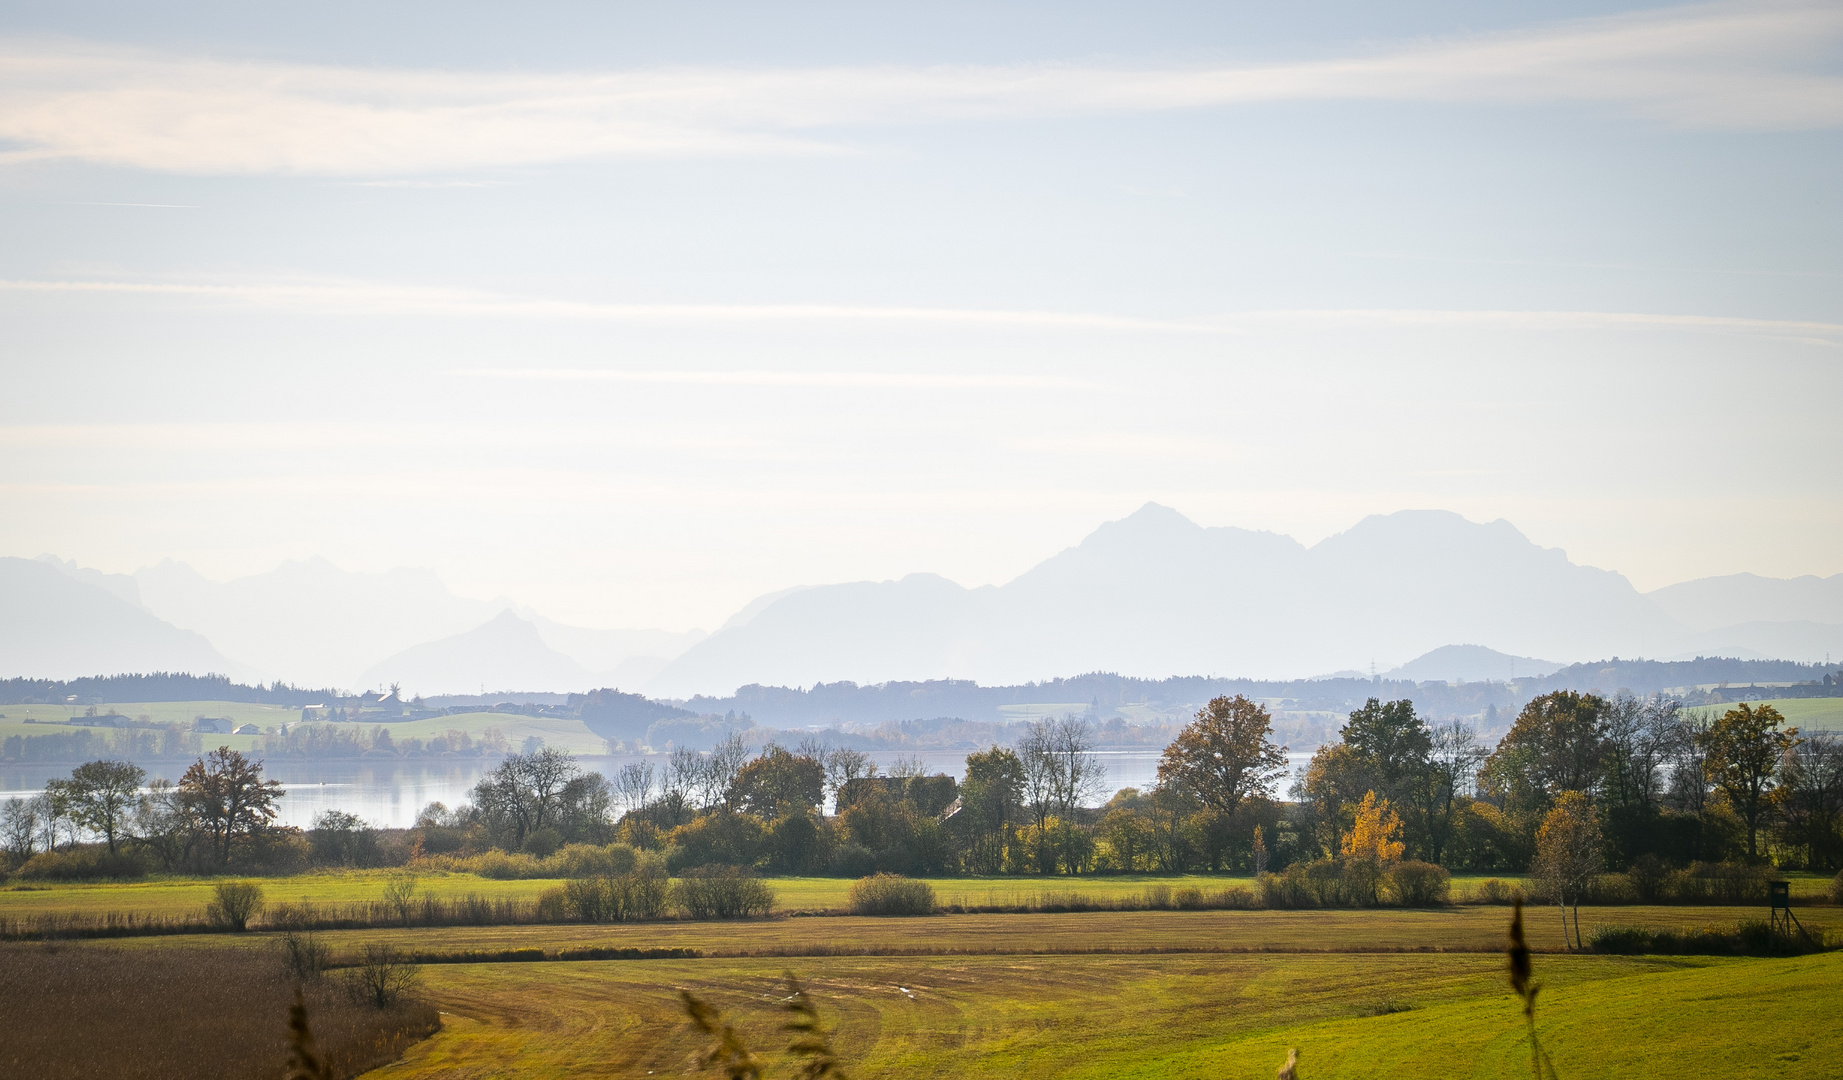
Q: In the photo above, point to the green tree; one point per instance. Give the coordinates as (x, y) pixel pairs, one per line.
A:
(1557, 744)
(1227, 754)
(1392, 740)
(1742, 752)
(778, 783)
(991, 801)
(102, 794)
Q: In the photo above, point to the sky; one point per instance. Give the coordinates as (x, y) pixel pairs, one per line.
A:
(636, 312)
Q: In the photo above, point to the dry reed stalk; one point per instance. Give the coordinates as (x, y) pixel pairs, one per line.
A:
(304, 1060)
(1526, 988)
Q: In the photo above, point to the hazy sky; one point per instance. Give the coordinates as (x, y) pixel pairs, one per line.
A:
(634, 312)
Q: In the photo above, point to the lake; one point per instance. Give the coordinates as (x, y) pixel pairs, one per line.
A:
(390, 793)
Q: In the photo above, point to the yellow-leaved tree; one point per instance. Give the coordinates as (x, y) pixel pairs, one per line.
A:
(1374, 835)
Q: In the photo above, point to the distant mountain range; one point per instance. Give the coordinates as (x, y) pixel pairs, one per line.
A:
(311, 623)
(59, 626)
(1155, 594)
(1151, 595)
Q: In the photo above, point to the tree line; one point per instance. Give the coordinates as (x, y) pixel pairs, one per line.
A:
(1579, 785)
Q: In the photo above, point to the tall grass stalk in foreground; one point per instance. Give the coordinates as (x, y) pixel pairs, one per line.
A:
(810, 1045)
(1526, 989)
(304, 1060)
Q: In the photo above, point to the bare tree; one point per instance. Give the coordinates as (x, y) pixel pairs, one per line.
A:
(1060, 769)
(382, 976)
(726, 760)
(545, 774)
(1036, 752)
(164, 822)
(400, 894)
(683, 782)
(19, 828)
(1689, 785)
(845, 764)
(1642, 737)
(635, 783)
(908, 767)
(1453, 760)
(1080, 775)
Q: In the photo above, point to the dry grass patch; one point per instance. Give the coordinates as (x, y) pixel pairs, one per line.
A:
(81, 1012)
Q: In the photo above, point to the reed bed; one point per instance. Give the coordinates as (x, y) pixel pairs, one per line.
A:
(70, 1012)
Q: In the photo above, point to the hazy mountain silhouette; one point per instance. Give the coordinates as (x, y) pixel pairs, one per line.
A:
(1470, 663)
(1155, 594)
(504, 653)
(311, 622)
(121, 585)
(307, 620)
(60, 626)
(1729, 601)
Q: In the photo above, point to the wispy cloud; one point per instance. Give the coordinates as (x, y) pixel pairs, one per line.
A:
(363, 297)
(378, 298)
(845, 380)
(1746, 66)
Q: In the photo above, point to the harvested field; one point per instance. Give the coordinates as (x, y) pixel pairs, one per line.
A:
(1469, 929)
(82, 1012)
(1044, 1017)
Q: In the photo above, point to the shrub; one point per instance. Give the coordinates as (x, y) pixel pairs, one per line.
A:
(1751, 938)
(891, 894)
(1158, 897)
(853, 860)
(1611, 889)
(234, 904)
(400, 894)
(382, 976)
(1418, 884)
(80, 864)
(1836, 888)
(504, 866)
(1720, 883)
(587, 860)
(543, 842)
(1494, 891)
(1188, 898)
(1235, 898)
(1648, 875)
(553, 905)
(722, 892)
(304, 956)
(1316, 884)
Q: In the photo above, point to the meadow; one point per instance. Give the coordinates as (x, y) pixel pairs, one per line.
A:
(177, 896)
(567, 733)
(1101, 994)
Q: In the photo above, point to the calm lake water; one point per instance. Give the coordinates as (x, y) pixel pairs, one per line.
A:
(390, 794)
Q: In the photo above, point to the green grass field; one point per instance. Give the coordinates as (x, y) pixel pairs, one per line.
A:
(1811, 714)
(1416, 993)
(183, 895)
(1116, 1016)
(566, 733)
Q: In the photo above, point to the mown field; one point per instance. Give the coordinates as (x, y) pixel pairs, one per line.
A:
(1410, 993)
(171, 896)
(1454, 930)
(990, 1016)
